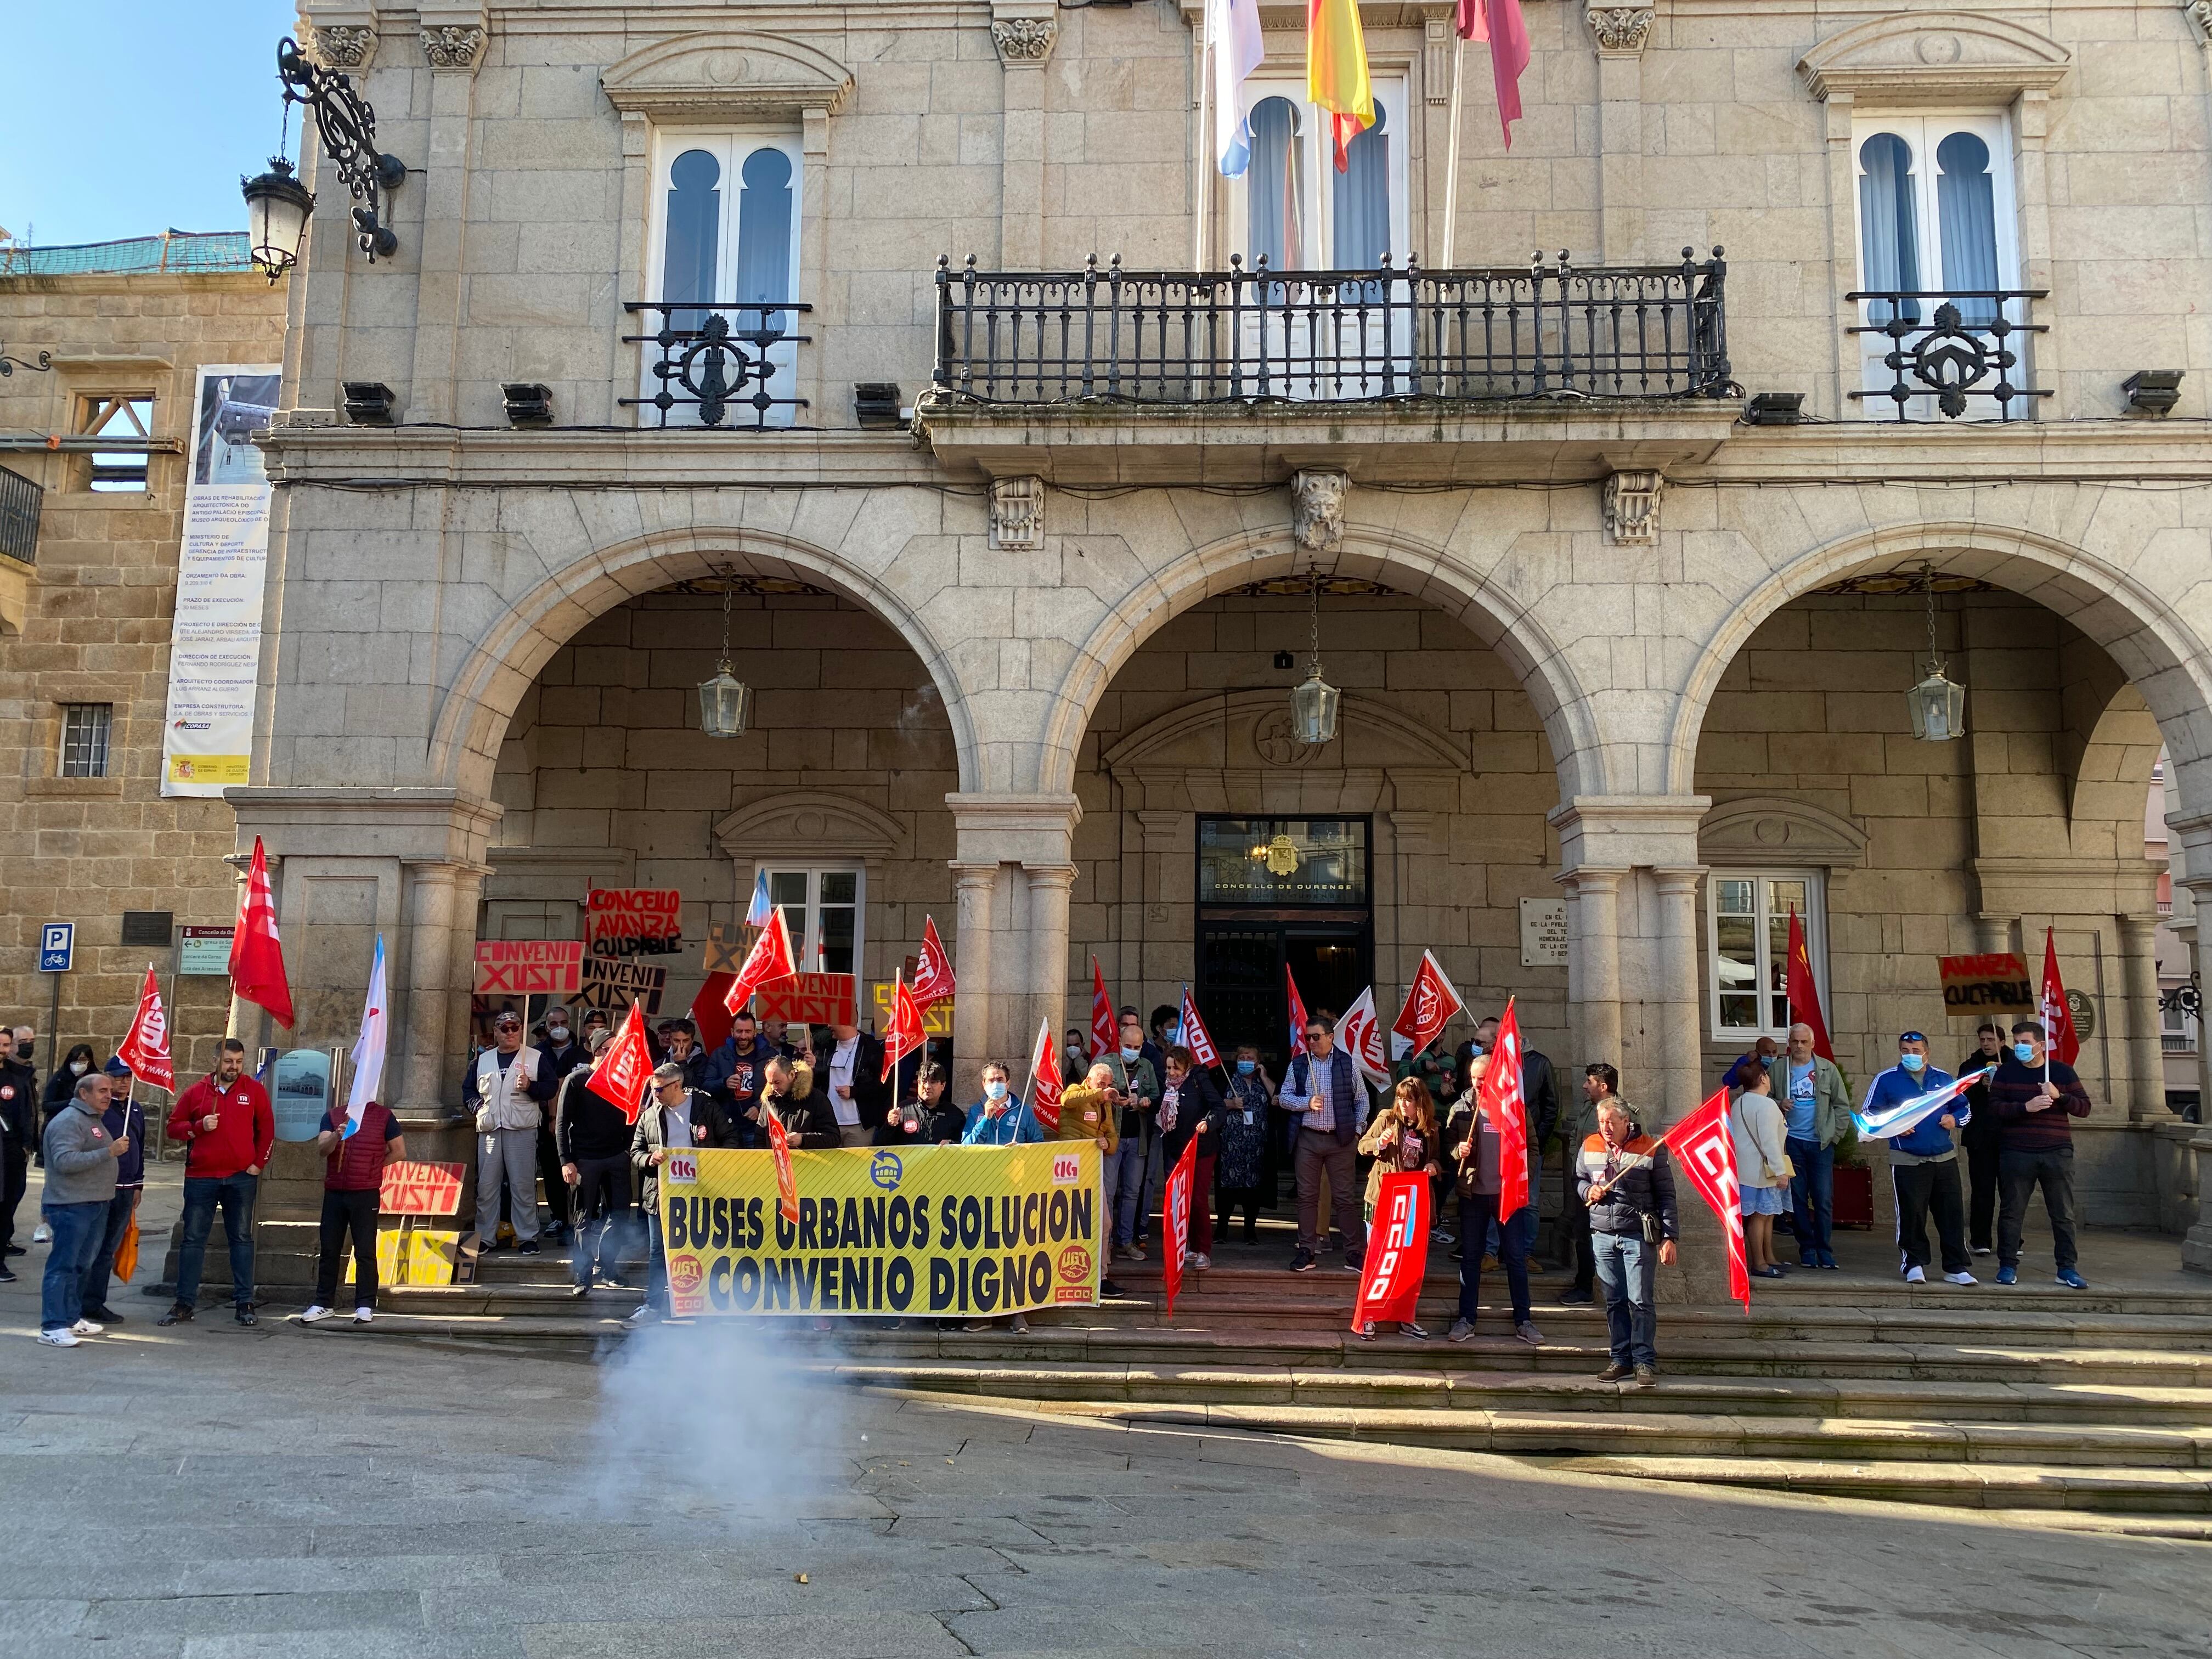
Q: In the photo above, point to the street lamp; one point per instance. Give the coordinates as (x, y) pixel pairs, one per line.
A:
(1939, 705)
(1313, 704)
(278, 203)
(725, 700)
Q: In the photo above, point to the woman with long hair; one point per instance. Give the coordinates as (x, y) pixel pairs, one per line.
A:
(1401, 1138)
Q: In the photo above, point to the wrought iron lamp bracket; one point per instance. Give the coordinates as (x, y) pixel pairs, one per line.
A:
(348, 123)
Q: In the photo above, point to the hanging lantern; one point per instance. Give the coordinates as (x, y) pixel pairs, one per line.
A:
(724, 701)
(277, 208)
(1938, 704)
(1314, 703)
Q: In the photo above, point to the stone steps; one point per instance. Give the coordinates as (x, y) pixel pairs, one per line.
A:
(2018, 1487)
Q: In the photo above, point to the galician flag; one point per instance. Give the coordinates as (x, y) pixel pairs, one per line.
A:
(369, 1048)
(1336, 71)
(1232, 29)
(757, 913)
(1901, 1119)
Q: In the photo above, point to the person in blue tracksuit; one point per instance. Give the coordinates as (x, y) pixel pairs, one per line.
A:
(999, 1118)
(1923, 1163)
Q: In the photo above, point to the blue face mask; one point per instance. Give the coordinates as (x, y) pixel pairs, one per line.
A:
(996, 1090)
(1130, 1054)
(2024, 1052)
(1912, 1062)
(1246, 1067)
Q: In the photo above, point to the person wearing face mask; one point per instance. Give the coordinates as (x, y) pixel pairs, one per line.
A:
(558, 1056)
(1074, 1064)
(1241, 1163)
(1923, 1164)
(2033, 1094)
(19, 1128)
(1979, 1137)
(1137, 1093)
(61, 1088)
(1000, 1119)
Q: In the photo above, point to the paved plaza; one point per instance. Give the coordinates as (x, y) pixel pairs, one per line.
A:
(278, 1492)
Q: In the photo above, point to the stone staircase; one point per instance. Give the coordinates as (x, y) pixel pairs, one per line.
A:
(2030, 1398)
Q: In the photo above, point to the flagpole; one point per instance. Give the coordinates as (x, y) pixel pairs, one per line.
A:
(1205, 147)
(1451, 155)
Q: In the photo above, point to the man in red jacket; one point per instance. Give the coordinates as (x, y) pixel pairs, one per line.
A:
(227, 1127)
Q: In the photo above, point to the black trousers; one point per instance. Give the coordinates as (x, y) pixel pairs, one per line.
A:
(1922, 1188)
(549, 1176)
(15, 1179)
(603, 1214)
(2018, 1174)
(1575, 1248)
(345, 1213)
(1247, 1200)
(1982, 1175)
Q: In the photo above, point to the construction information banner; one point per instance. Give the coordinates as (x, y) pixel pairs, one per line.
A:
(945, 1230)
(215, 651)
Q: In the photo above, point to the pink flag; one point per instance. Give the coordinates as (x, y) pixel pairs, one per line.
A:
(1500, 23)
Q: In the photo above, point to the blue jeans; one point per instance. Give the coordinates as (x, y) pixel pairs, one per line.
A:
(95, 1292)
(1627, 1269)
(656, 1259)
(1129, 1197)
(235, 1192)
(1477, 1215)
(1812, 1198)
(78, 1228)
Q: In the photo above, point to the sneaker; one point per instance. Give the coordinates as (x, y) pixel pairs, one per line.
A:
(1577, 1299)
(1135, 1252)
(1444, 1236)
(2007, 1275)
(1367, 1331)
(579, 1290)
(1108, 1287)
(364, 1315)
(1960, 1279)
(86, 1327)
(1829, 1261)
(976, 1324)
(179, 1314)
(316, 1314)
(245, 1316)
(60, 1337)
(1916, 1276)
(1354, 1264)
(1019, 1325)
(1303, 1260)
(42, 1234)
(7, 1274)
(1614, 1372)
(1198, 1260)
(1983, 1249)
(104, 1314)
(1528, 1332)
(1460, 1332)
(1806, 1259)
(643, 1315)
(1646, 1376)
(528, 1247)
(1415, 1329)
(2072, 1280)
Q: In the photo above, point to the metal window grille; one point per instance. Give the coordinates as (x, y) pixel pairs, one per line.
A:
(19, 516)
(85, 729)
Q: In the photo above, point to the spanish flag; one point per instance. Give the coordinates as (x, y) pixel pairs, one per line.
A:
(1336, 70)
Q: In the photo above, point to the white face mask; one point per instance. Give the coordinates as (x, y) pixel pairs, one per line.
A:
(79, 1068)
(558, 1033)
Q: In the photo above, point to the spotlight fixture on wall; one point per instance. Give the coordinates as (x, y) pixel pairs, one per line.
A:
(2153, 390)
(278, 205)
(724, 701)
(369, 402)
(1313, 703)
(1775, 408)
(1939, 705)
(528, 404)
(876, 406)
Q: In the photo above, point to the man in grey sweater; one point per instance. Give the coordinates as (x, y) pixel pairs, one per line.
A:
(81, 1158)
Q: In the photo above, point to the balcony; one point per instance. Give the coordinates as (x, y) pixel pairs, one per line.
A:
(20, 500)
(734, 365)
(1926, 354)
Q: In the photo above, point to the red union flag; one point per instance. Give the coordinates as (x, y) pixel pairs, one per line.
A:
(1430, 1002)
(1195, 1037)
(1298, 1013)
(1804, 995)
(1044, 1077)
(1360, 1034)
(257, 955)
(769, 963)
(1705, 1151)
(1175, 1221)
(786, 1182)
(906, 1034)
(145, 1048)
(1105, 1033)
(932, 970)
(2063, 1041)
(1397, 1250)
(1499, 1095)
(625, 1065)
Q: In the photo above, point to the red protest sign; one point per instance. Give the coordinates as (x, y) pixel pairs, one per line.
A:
(811, 1000)
(412, 1189)
(634, 921)
(1397, 1251)
(529, 967)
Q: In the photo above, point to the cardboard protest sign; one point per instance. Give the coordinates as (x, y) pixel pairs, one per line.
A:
(634, 921)
(528, 966)
(811, 1000)
(1992, 982)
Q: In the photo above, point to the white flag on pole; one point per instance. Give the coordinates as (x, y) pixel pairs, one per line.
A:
(1233, 29)
(367, 1064)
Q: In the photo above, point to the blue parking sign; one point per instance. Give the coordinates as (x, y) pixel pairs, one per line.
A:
(57, 945)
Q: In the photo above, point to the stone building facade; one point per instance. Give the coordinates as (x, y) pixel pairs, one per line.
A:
(1023, 607)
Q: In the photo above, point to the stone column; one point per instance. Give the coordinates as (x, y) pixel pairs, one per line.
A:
(2146, 1052)
(975, 889)
(454, 38)
(1023, 31)
(1680, 991)
(424, 1080)
(1005, 982)
(1592, 967)
(1050, 886)
(1622, 32)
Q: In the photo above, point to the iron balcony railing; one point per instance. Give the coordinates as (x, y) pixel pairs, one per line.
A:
(1945, 351)
(1334, 336)
(19, 516)
(733, 363)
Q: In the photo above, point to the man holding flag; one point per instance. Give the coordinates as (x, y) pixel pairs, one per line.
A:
(2033, 1093)
(227, 1127)
(1924, 1162)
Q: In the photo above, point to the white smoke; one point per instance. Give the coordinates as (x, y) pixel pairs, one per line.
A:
(720, 1418)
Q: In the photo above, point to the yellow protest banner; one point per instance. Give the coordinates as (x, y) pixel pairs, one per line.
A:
(405, 1256)
(944, 1231)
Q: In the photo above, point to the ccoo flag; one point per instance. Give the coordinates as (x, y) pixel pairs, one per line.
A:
(1195, 1037)
(1232, 29)
(369, 1048)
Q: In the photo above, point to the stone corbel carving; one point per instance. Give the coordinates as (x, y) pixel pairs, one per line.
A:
(2200, 13)
(1632, 507)
(1317, 509)
(343, 46)
(1017, 514)
(454, 35)
(1024, 39)
(1621, 28)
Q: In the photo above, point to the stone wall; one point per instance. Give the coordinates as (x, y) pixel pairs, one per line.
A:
(98, 607)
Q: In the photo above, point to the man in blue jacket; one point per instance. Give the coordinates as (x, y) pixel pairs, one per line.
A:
(1923, 1163)
(999, 1118)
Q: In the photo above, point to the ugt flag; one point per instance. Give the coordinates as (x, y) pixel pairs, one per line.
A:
(1298, 1014)
(624, 1066)
(1705, 1152)
(369, 1048)
(769, 963)
(1360, 1034)
(1105, 1032)
(933, 968)
(145, 1046)
(1430, 1002)
(1397, 1251)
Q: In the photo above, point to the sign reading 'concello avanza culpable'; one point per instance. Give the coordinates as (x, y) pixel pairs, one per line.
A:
(942, 1230)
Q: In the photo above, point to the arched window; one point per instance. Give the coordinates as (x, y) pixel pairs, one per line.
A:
(1967, 222)
(1276, 187)
(1889, 226)
(765, 236)
(1363, 200)
(692, 242)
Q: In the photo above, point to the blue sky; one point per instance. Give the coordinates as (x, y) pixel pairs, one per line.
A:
(123, 118)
